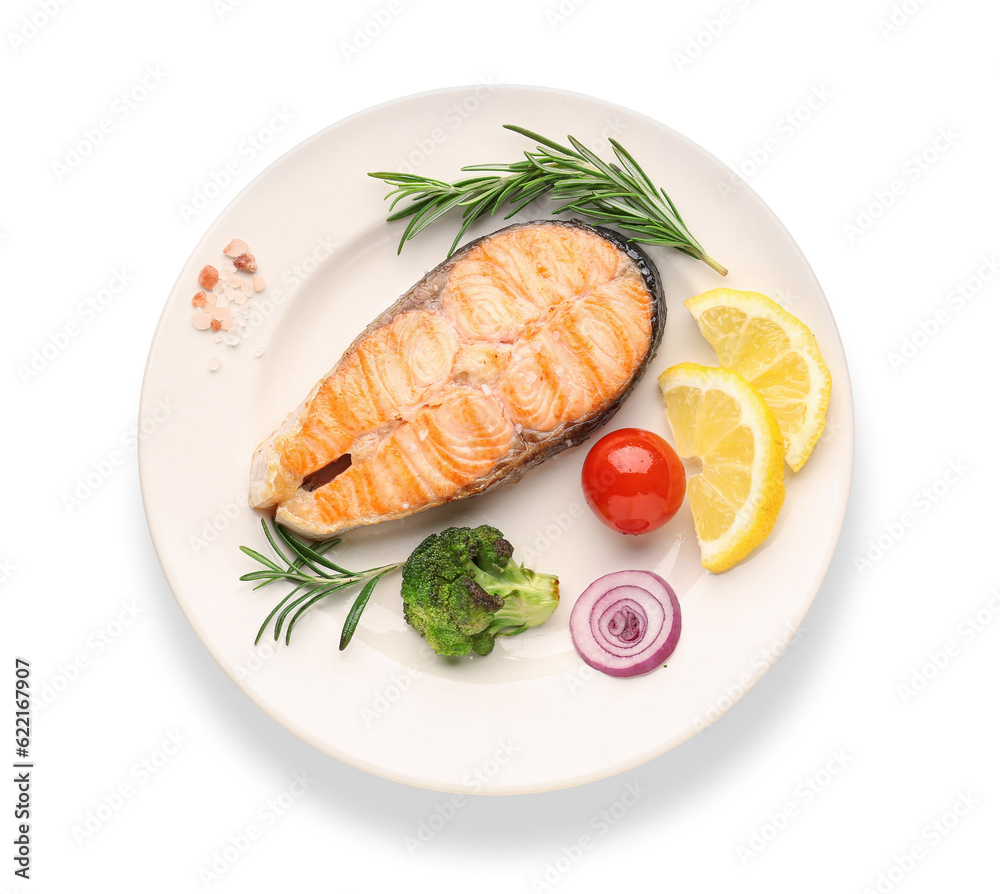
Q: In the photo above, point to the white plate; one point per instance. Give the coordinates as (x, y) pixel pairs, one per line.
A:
(531, 716)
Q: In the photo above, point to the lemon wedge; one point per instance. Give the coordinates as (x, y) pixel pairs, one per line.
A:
(777, 354)
(722, 420)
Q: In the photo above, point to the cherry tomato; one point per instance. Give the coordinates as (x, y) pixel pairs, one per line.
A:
(633, 480)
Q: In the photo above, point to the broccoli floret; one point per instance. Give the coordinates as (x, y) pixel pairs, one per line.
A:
(461, 590)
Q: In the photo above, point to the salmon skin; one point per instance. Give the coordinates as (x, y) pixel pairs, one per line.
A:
(516, 347)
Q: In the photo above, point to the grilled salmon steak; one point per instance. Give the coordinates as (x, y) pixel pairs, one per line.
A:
(517, 346)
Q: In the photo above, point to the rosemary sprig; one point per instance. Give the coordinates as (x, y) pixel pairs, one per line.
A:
(619, 193)
(315, 577)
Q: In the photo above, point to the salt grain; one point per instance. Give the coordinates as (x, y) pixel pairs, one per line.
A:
(233, 281)
(235, 248)
(214, 364)
(208, 277)
(247, 288)
(258, 283)
(201, 319)
(259, 352)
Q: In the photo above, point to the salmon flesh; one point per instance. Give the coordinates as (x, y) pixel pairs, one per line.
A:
(516, 347)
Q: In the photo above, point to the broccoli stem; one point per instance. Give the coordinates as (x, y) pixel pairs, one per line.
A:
(529, 597)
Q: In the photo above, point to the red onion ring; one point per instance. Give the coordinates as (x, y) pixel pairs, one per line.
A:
(626, 623)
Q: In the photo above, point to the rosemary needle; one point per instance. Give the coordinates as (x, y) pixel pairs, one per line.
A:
(315, 576)
(618, 193)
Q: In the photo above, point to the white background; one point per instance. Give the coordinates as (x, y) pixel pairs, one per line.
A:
(901, 92)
